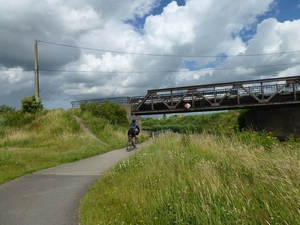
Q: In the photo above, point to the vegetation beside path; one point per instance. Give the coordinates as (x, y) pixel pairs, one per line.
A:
(34, 141)
(213, 173)
(236, 178)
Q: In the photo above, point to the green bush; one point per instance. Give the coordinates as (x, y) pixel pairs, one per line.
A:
(2, 130)
(214, 122)
(31, 105)
(5, 108)
(158, 127)
(91, 107)
(113, 112)
(18, 119)
(2, 120)
(177, 128)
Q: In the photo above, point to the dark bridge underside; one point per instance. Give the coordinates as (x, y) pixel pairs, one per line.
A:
(263, 94)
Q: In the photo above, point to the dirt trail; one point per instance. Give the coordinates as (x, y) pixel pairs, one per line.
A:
(87, 130)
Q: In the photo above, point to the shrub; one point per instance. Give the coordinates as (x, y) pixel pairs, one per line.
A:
(2, 131)
(2, 120)
(224, 122)
(91, 107)
(113, 112)
(18, 119)
(31, 105)
(5, 108)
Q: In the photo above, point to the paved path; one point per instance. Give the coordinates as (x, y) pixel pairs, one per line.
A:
(52, 196)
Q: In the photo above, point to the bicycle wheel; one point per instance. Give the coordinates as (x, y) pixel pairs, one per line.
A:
(129, 145)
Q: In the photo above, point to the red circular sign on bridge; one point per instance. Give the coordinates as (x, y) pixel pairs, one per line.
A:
(187, 105)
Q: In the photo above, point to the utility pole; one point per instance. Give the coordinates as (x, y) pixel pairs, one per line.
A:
(36, 71)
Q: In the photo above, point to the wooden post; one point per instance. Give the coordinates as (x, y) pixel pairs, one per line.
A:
(36, 71)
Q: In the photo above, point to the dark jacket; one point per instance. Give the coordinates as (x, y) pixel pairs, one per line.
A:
(133, 127)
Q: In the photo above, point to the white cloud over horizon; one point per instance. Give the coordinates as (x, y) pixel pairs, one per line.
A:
(115, 57)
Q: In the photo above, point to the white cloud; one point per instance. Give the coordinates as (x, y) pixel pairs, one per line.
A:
(272, 37)
(174, 27)
(75, 20)
(200, 28)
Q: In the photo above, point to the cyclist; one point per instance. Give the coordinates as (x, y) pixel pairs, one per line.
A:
(132, 131)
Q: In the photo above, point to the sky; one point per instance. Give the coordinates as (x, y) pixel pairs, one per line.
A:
(90, 49)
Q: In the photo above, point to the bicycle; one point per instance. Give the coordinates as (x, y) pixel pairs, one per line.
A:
(130, 145)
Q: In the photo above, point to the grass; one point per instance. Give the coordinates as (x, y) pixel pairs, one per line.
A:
(202, 179)
(229, 178)
(53, 138)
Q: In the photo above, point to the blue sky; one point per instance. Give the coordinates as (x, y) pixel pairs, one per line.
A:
(92, 49)
(164, 3)
(282, 10)
(138, 22)
(287, 10)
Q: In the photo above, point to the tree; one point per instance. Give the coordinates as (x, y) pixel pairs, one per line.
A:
(6, 108)
(30, 105)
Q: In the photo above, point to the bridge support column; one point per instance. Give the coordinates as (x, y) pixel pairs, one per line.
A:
(128, 110)
(131, 117)
(282, 123)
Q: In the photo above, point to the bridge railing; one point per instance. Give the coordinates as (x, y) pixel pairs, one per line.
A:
(210, 94)
(231, 95)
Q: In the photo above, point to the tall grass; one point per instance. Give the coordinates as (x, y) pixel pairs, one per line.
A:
(106, 131)
(34, 142)
(203, 179)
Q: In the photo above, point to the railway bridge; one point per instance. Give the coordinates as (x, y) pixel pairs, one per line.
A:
(275, 102)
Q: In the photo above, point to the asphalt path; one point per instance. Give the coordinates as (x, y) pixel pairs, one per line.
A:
(52, 196)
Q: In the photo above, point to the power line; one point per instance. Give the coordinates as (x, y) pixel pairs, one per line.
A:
(23, 70)
(154, 71)
(169, 71)
(166, 55)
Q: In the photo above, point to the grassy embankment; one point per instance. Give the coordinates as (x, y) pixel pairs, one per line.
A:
(229, 178)
(225, 178)
(32, 142)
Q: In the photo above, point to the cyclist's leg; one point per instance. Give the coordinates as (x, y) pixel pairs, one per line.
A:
(129, 142)
(133, 138)
(127, 145)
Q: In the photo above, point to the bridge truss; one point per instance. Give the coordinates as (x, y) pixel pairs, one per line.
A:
(264, 93)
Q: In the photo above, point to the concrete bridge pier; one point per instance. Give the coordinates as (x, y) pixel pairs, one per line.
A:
(131, 117)
(283, 123)
(127, 107)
